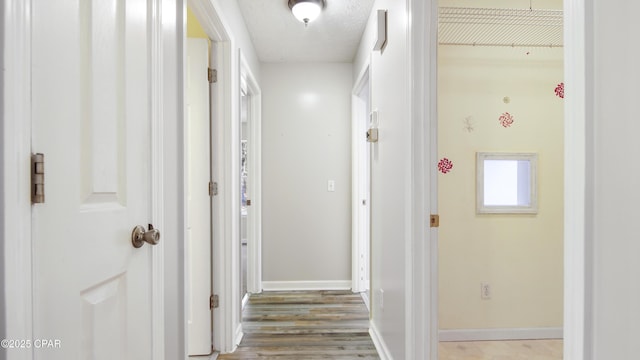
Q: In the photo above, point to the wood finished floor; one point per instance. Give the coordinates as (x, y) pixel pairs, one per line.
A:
(308, 325)
(314, 325)
(501, 350)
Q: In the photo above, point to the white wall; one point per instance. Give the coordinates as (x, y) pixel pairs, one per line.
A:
(519, 256)
(391, 175)
(613, 175)
(306, 141)
(232, 19)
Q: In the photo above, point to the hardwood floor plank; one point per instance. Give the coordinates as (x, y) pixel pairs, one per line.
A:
(311, 325)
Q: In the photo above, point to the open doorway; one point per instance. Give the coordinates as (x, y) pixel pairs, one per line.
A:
(245, 201)
(500, 90)
(250, 184)
(226, 64)
(361, 188)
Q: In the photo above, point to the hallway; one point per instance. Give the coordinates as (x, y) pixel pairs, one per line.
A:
(305, 325)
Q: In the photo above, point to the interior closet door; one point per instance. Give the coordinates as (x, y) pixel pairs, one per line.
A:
(198, 197)
(91, 118)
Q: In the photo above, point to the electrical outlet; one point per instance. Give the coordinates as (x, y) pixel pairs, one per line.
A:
(485, 291)
(381, 300)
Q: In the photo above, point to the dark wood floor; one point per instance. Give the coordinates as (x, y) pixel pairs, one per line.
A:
(305, 325)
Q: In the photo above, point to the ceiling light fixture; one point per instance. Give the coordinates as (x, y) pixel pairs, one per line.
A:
(306, 10)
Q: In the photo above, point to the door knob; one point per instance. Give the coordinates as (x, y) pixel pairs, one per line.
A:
(139, 236)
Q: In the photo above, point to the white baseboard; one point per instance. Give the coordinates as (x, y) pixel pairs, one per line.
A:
(379, 343)
(306, 285)
(500, 334)
(213, 356)
(365, 299)
(238, 336)
(245, 300)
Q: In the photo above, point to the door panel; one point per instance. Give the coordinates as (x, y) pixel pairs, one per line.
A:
(102, 80)
(90, 110)
(199, 201)
(103, 312)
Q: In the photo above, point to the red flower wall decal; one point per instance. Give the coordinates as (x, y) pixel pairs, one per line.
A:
(560, 90)
(445, 165)
(506, 119)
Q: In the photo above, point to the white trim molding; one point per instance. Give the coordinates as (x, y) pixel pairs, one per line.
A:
(16, 164)
(359, 178)
(254, 217)
(306, 285)
(238, 335)
(577, 264)
(378, 342)
(501, 334)
(422, 249)
(157, 175)
(226, 213)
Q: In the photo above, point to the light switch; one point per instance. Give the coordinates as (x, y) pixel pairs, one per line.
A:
(331, 185)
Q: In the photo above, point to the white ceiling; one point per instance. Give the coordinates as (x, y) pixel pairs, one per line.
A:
(279, 37)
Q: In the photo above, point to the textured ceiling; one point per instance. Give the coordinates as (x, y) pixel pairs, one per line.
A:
(279, 37)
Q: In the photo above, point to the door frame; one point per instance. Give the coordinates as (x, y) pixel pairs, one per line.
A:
(421, 251)
(358, 130)
(227, 330)
(16, 170)
(254, 212)
(577, 276)
(577, 265)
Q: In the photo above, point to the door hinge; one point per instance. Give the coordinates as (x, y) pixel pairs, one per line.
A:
(213, 188)
(213, 302)
(435, 220)
(37, 178)
(212, 75)
(372, 135)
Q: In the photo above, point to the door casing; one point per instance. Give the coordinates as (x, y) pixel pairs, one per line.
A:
(360, 216)
(254, 186)
(577, 318)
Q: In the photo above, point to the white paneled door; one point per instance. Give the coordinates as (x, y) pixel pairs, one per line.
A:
(92, 119)
(198, 199)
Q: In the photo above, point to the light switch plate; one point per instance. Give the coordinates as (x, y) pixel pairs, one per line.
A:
(331, 185)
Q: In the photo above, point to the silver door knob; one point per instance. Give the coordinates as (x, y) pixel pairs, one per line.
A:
(139, 236)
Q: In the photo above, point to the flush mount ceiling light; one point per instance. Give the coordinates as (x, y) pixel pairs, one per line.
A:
(306, 10)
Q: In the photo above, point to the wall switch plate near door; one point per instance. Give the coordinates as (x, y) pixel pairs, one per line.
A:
(331, 185)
